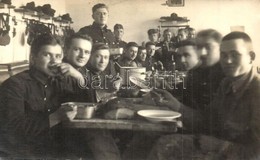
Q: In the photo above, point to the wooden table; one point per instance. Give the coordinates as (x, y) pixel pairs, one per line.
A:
(134, 125)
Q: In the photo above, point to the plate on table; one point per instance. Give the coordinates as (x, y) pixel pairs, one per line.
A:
(159, 115)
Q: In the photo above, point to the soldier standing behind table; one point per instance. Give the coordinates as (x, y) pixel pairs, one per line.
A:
(119, 32)
(98, 31)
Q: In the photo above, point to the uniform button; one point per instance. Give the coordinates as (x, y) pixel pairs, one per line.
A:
(45, 99)
(46, 86)
(49, 110)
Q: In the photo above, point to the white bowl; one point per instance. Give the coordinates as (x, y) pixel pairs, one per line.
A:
(159, 115)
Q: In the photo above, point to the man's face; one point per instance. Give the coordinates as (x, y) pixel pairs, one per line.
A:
(131, 53)
(192, 34)
(182, 35)
(188, 56)
(100, 16)
(153, 37)
(79, 52)
(167, 36)
(235, 57)
(100, 59)
(208, 50)
(141, 55)
(48, 56)
(119, 33)
(150, 50)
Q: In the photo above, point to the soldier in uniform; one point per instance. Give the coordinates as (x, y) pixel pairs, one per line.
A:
(141, 57)
(209, 74)
(151, 63)
(129, 55)
(166, 52)
(119, 32)
(98, 31)
(153, 36)
(229, 128)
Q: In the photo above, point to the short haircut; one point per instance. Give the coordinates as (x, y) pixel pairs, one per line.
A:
(210, 33)
(43, 40)
(166, 30)
(99, 46)
(190, 29)
(69, 39)
(152, 31)
(182, 29)
(186, 42)
(239, 35)
(141, 48)
(149, 44)
(131, 44)
(99, 5)
(118, 26)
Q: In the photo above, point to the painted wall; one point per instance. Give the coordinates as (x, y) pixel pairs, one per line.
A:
(138, 16)
(18, 49)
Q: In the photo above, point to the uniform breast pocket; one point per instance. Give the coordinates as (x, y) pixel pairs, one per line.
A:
(34, 104)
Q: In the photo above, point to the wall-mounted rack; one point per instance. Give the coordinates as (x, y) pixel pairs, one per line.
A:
(6, 6)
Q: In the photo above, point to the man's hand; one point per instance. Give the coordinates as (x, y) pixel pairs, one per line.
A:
(64, 113)
(164, 98)
(67, 70)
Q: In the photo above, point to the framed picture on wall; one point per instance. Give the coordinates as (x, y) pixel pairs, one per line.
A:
(175, 3)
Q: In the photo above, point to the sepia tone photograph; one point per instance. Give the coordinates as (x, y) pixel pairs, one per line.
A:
(129, 79)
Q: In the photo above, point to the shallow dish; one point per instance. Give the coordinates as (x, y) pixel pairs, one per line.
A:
(159, 115)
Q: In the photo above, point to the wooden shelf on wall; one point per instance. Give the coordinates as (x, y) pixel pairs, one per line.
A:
(177, 26)
(32, 13)
(60, 20)
(25, 11)
(42, 16)
(6, 6)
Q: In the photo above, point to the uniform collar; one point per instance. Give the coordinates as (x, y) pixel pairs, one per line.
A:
(239, 84)
(38, 75)
(127, 61)
(93, 70)
(195, 68)
(95, 25)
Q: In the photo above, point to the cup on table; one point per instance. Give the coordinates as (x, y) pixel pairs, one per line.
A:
(86, 110)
